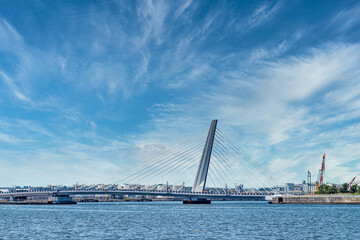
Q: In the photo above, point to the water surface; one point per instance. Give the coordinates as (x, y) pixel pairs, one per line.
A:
(173, 220)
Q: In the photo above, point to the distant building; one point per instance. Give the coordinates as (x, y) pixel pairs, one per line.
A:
(309, 188)
(289, 187)
(239, 188)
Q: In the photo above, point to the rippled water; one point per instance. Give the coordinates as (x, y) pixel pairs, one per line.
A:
(173, 220)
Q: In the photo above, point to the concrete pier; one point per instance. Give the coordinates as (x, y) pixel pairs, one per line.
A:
(317, 199)
(199, 201)
(61, 199)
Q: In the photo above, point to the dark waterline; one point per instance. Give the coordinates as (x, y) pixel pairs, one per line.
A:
(173, 220)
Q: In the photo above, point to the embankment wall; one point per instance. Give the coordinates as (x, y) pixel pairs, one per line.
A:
(317, 199)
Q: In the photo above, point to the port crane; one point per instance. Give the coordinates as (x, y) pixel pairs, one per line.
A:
(320, 179)
(351, 183)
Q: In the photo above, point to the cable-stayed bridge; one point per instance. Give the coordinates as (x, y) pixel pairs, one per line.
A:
(216, 163)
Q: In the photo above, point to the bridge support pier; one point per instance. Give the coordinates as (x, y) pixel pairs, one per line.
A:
(198, 201)
(61, 199)
(17, 199)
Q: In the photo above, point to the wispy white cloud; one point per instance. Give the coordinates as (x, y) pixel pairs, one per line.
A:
(87, 161)
(165, 107)
(10, 139)
(11, 41)
(25, 66)
(346, 18)
(262, 53)
(261, 14)
(274, 98)
(272, 106)
(17, 93)
(10, 38)
(274, 90)
(152, 15)
(182, 8)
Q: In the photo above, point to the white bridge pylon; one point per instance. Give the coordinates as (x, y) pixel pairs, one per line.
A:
(202, 171)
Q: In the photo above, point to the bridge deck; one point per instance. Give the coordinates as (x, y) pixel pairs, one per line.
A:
(181, 194)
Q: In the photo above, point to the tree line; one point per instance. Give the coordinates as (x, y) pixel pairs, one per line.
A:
(326, 189)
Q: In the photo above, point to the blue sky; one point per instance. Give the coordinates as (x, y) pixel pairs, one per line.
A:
(88, 87)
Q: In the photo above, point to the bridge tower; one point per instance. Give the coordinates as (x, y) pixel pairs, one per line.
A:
(201, 175)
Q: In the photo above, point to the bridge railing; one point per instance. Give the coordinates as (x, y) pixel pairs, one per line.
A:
(151, 191)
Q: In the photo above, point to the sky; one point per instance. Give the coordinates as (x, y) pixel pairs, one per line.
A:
(88, 88)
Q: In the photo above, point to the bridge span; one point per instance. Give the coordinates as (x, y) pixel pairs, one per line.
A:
(180, 194)
(172, 164)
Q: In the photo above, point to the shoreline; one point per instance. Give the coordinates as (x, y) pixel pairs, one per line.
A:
(318, 199)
